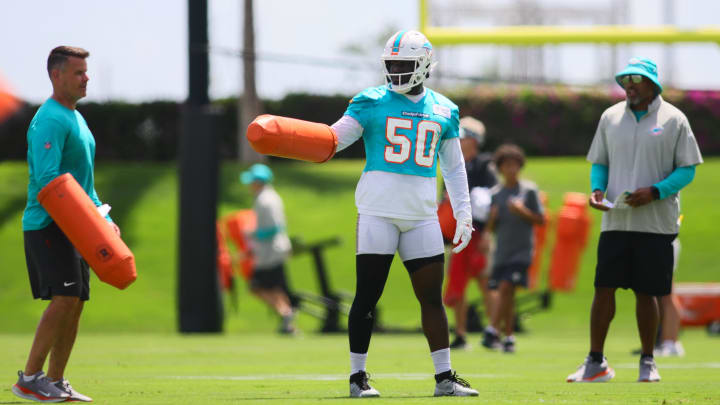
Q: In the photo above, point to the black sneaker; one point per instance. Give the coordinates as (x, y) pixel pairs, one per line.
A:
(458, 343)
(508, 346)
(359, 387)
(448, 384)
(491, 340)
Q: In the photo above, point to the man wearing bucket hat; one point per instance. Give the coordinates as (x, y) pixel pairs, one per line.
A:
(270, 245)
(642, 155)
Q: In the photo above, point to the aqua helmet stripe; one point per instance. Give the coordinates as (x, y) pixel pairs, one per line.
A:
(396, 44)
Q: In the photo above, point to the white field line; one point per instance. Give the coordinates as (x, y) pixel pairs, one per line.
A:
(397, 376)
(314, 377)
(662, 366)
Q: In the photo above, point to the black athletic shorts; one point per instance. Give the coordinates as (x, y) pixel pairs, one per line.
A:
(515, 273)
(269, 278)
(54, 266)
(640, 261)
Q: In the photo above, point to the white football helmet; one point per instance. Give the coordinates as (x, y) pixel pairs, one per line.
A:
(407, 46)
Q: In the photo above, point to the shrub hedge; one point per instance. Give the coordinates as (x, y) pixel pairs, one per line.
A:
(546, 121)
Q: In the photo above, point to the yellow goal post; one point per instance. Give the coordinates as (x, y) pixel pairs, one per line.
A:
(541, 35)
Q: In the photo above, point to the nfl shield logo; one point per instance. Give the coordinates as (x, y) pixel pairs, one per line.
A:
(47, 145)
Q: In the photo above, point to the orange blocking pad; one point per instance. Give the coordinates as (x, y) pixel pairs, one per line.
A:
(699, 303)
(237, 225)
(224, 260)
(75, 213)
(447, 220)
(572, 229)
(292, 138)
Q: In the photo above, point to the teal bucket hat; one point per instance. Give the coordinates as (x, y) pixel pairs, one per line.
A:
(641, 66)
(256, 172)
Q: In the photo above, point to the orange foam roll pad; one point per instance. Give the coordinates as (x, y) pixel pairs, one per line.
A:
(292, 138)
(78, 217)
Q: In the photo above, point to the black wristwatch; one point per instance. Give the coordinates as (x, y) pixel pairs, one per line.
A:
(655, 192)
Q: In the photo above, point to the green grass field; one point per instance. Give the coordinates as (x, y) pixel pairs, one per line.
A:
(260, 368)
(129, 352)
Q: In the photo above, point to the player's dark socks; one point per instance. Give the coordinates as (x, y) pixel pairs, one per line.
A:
(371, 274)
(597, 357)
(643, 356)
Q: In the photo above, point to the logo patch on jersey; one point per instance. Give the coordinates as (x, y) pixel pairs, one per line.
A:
(441, 110)
(656, 131)
(47, 145)
(415, 114)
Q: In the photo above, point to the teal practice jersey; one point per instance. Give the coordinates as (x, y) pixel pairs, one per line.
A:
(402, 136)
(59, 141)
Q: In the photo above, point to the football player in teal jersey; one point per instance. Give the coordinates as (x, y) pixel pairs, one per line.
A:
(407, 130)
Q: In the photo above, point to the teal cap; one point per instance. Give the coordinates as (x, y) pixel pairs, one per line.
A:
(641, 66)
(256, 172)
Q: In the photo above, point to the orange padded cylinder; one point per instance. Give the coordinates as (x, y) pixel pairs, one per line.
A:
(238, 224)
(447, 220)
(572, 229)
(224, 260)
(292, 138)
(540, 232)
(78, 217)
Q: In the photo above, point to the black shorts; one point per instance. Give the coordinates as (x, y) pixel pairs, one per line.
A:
(54, 266)
(269, 278)
(640, 261)
(515, 273)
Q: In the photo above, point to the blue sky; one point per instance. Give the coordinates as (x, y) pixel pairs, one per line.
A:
(138, 47)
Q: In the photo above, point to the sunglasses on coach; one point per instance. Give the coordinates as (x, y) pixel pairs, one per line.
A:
(625, 80)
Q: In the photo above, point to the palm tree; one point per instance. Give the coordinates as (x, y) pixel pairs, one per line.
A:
(249, 105)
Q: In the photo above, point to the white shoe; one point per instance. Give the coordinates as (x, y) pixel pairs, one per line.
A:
(359, 387)
(448, 384)
(591, 371)
(670, 348)
(648, 370)
(74, 395)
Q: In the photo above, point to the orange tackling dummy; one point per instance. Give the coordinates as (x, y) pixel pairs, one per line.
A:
(78, 217)
(292, 138)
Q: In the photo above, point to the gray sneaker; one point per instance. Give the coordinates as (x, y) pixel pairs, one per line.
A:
(448, 384)
(648, 370)
(74, 395)
(591, 371)
(39, 389)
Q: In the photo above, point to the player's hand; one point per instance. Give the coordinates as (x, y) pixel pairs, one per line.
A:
(596, 199)
(640, 197)
(516, 206)
(463, 234)
(483, 243)
(115, 228)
